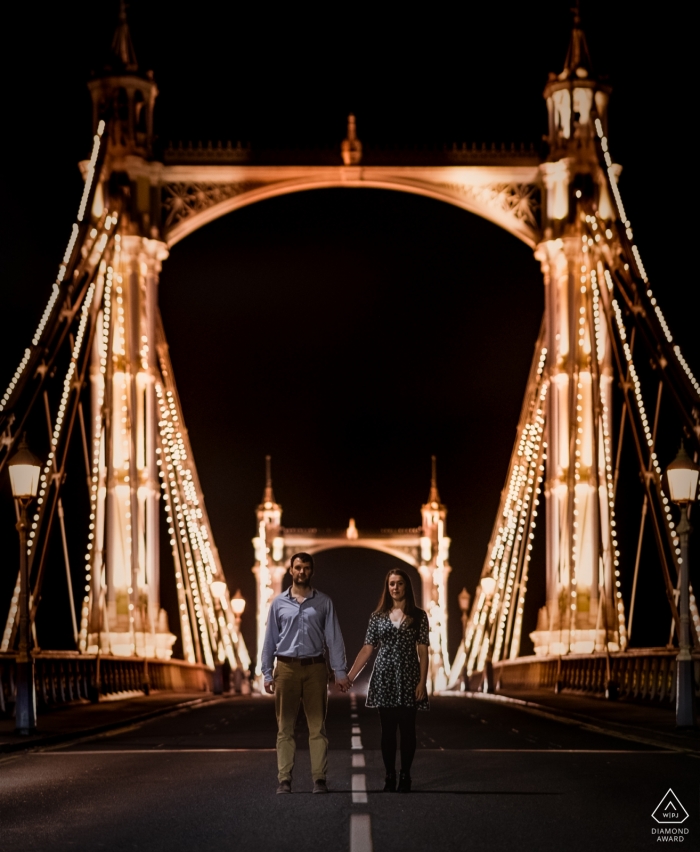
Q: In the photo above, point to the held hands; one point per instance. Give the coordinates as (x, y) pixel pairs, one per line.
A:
(420, 691)
(344, 684)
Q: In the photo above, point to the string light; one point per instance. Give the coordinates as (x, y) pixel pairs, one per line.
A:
(55, 290)
(612, 556)
(668, 518)
(44, 481)
(509, 533)
(638, 258)
(91, 556)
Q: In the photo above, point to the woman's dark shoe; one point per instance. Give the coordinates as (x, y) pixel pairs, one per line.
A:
(404, 782)
(390, 782)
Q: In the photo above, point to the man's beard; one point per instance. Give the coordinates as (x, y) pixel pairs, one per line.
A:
(304, 584)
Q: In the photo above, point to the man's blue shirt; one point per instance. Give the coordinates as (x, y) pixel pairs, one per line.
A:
(303, 630)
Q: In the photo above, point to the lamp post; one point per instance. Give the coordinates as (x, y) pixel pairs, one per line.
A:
(25, 469)
(682, 475)
(488, 587)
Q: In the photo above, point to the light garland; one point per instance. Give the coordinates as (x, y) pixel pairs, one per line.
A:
(647, 431)
(508, 535)
(614, 556)
(529, 485)
(185, 625)
(167, 430)
(518, 624)
(44, 481)
(98, 431)
(638, 258)
(55, 290)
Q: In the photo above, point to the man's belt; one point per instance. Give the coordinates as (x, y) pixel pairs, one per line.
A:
(304, 661)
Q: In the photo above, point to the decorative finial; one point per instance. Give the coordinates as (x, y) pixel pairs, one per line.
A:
(434, 496)
(578, 59)
(123, 53)
(351, 147)
(268, 496)
(351, 532)
(576, 14)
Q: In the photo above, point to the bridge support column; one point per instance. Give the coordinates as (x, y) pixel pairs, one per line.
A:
(579, 616)
(126, 616)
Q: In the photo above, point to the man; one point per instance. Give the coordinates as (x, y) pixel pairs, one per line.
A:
(301, 623)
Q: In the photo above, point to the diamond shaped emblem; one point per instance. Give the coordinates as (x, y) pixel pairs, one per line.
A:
(670, 810)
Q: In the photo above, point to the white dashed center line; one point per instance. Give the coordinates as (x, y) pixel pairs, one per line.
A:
(360, 824)
(360, 833)
(359, 789)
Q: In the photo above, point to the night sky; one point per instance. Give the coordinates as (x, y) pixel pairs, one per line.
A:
(350, 333)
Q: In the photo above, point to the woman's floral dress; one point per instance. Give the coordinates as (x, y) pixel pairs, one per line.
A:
(396, 670)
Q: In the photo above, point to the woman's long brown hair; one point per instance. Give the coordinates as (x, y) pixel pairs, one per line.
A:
(386, 602)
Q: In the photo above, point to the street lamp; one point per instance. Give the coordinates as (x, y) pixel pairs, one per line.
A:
(25, 469)
(238, 606)
(218, 589)
(464, 599)
(682, 475)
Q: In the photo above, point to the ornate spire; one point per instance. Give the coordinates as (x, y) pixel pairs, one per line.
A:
(578, 59)
(351, 147)
(434, 496)
(268, 496)
(123, 55)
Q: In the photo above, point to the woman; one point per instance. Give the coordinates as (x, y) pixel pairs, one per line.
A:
(398, 683)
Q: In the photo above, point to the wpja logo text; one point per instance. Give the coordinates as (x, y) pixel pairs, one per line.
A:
(670, 814)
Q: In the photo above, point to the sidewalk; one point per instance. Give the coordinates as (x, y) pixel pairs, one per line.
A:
(84, 719)
(624, 717)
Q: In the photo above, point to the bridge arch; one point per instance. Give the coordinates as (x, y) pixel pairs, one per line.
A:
(506, 196)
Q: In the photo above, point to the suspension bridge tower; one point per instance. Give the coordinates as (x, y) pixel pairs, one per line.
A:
(582, 606)
(128, 491)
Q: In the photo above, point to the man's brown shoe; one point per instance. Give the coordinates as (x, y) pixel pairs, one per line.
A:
(320, 786)
(284, 787)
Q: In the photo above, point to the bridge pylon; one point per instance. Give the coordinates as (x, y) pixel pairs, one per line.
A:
(597, 297)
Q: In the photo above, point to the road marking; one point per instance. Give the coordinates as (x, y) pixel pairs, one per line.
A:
(361, 833)
(356, 729)
(358, 760)
(356, 743)
(353, 715)
(359, 790)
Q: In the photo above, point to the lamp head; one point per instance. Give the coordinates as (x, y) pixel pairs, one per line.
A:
(25, 469)
(682, 475)
(238, 603)
(464, 597)
(218, 588)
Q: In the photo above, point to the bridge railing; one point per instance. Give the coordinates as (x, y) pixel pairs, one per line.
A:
(64, 677)
(639, 675)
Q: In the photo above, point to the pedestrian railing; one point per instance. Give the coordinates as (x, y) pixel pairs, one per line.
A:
(64, 677)
(640, 675)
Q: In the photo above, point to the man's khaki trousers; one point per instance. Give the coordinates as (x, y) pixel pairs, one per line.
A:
(295, 683)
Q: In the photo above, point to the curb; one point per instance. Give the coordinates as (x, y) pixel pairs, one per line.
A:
(87, 733)
(615, 729)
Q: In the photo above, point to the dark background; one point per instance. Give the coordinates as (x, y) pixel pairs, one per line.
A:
(349, 333)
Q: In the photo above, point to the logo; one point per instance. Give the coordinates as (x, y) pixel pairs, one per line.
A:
(670, 811)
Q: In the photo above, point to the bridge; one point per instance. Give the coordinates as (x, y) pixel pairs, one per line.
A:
(96, 379)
